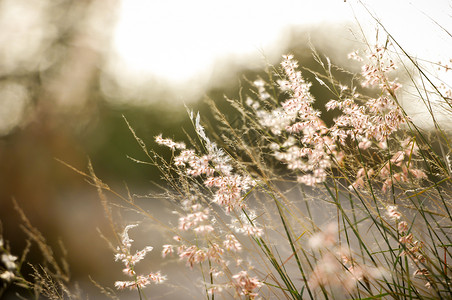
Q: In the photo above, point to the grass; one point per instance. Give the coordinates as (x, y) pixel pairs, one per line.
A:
(275, 202)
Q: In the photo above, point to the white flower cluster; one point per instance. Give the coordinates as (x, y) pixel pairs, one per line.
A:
(129, 260)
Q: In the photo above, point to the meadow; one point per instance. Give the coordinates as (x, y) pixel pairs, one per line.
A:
(275, 201)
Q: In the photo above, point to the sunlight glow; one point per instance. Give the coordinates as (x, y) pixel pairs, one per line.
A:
(176, 39)
(179, 39)
(182, 48)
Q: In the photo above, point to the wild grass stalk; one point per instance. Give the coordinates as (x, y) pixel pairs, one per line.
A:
(373, 173)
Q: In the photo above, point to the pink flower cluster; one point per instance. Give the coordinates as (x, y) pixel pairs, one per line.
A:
(196, 219)
(215, 165)
(376, 71)
(195, 255)
(375, 120)
(311, 146)
(308, 147)
(231, 243)
(413, 248)
(230, 190)
(393, 212)
(123, 254)
(243, 225)
(336, 268)
(246, 284)
(400, 168)
(198, 222)
(215, 252)
(314, 157)
(169, 143)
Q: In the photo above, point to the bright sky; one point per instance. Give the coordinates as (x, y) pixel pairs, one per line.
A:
(179, 39)
(180, 42)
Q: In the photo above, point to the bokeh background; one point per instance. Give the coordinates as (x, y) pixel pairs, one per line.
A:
(71, 69)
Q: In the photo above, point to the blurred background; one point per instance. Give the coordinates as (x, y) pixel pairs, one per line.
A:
(70, 69)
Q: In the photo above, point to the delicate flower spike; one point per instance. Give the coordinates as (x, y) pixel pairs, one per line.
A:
(130, 261)
(251, 230)
(402, 227)
(193, 219)
(313, 153)
(120, 285)
(126, 241)
(217, 154)
(167, 250)
(332, 104)
(355, 56)
(139, 255)
(392, 212)
(169, 143)
(407, 239)
(421, 273)
(246, 284)
(204, 229)
(157, 277)
(262, 93)
(231, 243)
